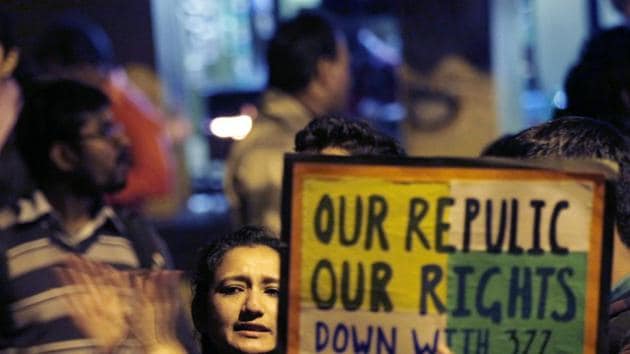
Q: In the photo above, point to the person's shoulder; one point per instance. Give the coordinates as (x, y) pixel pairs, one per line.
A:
(134, 223)
(151, 249)
(265, 140)
(268, 128)
(618, 325)
(24, 210)
(24, 222)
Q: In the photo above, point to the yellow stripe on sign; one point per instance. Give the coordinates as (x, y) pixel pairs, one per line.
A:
(356, 238)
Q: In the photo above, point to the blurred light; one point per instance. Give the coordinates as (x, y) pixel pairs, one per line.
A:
(386, 111)
(201, 203)
(235, 127)
(195, 7)
(560, 100)
(263, 5)
(378, 47)
(264, 24)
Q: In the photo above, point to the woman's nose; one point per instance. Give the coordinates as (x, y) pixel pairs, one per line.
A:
(253, 303)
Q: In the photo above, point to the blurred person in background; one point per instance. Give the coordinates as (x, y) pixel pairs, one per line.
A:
(445, 80)
(76, 48)
(76, 153)
(179, 128)
(309, 76)
(598, 85)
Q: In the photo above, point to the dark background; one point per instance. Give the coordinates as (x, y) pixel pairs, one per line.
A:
(128, 23)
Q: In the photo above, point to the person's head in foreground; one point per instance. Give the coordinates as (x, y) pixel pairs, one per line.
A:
(331, 135)
(236, 290)
(578, 138)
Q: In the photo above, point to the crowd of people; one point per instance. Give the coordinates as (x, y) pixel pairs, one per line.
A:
(81, 270)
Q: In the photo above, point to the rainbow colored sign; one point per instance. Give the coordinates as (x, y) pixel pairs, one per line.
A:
(405, 256)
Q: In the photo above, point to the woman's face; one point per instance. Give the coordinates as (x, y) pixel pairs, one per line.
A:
(243, 300)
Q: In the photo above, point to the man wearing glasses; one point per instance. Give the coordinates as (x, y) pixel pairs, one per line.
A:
(76, 154)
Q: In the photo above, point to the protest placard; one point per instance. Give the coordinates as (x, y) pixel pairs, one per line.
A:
(400, 256)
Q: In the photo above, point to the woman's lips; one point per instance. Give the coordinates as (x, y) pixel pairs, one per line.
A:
(251, 327)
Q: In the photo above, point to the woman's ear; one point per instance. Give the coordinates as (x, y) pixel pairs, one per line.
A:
(63, 157)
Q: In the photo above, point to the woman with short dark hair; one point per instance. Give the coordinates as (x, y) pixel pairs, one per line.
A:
(236, 290)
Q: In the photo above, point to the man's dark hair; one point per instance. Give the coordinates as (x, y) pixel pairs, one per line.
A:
(355, 136)
(505, 146)
(209, 259)
(53, 111)
(596, 85)
(578, 138)
(73, 40)
(295, 49)
(566, 137)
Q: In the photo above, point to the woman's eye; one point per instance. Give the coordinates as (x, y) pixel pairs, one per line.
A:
(272, 291)
(230, 290)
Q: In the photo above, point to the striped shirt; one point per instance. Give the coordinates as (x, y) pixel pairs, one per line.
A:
(35, 314)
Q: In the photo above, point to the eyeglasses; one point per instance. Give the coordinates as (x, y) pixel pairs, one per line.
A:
(106, 130)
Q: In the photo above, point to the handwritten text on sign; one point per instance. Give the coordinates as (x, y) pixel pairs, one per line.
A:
(484, 266)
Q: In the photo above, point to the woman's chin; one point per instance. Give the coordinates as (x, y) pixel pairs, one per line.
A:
(253, 346)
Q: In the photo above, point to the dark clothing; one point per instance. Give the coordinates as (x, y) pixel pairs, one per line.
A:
(619, 318)
(618, 325)
(15, 181)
